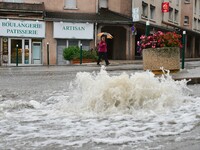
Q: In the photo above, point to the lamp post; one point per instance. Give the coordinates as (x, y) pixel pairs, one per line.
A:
(183, 50)
(47, 53)
(147, 32)
(81, 53)
(17, 59)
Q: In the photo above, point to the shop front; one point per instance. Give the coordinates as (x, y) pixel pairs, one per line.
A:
(21, 42)
(72, 34)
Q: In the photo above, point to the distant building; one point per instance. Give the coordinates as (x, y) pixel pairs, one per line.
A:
(183, 15)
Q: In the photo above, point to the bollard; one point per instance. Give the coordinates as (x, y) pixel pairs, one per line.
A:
(47, 53)
(81, 53)
(183, 50)
(17, 61)
(147, 31)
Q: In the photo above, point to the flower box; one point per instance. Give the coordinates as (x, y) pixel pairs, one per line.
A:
(166, 57)
(77, 61)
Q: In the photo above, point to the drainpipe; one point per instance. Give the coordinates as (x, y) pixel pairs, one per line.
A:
(95, 28)
(95, 32)
(97, 6)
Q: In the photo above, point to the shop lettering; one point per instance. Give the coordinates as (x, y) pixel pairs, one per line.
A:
(21, 25)
(16, 31)
(76, 28)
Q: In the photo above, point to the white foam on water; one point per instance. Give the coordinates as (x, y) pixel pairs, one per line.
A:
(104, 109)
(104, 94)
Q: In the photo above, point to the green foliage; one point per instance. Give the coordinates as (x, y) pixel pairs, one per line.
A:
(70, 52)
(73, 52)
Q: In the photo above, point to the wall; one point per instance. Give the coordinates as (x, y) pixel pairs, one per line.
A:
(121, 6)
(83, 6)
(52, 45)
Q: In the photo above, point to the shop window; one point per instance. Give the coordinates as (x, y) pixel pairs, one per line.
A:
(85, 44)
(73, 43)
(186, 20)
(152, 12)
(13, 1)
(103, 4)
(144, 9)
(70, 4)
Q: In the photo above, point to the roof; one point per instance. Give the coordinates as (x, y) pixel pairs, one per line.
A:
(103, 16)
(21, 7)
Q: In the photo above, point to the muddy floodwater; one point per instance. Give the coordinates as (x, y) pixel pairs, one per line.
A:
(47, 108)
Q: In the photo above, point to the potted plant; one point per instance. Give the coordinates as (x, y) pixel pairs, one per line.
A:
(72, 54)
(160, 50)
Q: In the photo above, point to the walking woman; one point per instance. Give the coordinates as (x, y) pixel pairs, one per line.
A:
(102, 50)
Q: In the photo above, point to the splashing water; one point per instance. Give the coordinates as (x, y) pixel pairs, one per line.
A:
(102, 108)
(104, 94)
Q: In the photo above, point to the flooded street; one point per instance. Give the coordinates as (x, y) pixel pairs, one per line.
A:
(79, 109)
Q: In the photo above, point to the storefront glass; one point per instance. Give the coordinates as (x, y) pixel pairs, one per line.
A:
(16, 50)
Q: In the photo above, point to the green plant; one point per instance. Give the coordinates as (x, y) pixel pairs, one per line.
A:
(70, 52)
(73, 52)
(159, 39)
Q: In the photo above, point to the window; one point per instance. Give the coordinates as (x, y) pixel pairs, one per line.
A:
(152, 12)
(14, 1)
(70, 4)
(198, 24)
(195, 23)
(177, 2)
(171, 14)
(103, 3)
(85, 44)
(186, 20)
(195, 7)
(144, 9)
(176, 18)
(187, 1)
(73, 43)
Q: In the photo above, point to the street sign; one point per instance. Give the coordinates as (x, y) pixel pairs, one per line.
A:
(135, 14)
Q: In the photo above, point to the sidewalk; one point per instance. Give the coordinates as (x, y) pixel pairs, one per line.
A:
(191, 70)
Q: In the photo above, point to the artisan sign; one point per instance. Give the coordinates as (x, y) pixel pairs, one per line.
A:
(21, 28)
(73, 30)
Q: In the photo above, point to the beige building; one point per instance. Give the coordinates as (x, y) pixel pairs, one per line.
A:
(58, 24)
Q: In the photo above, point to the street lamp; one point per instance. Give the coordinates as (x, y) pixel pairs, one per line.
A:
(183, 50)
(147, 32)
(48, 53)
(17, 59)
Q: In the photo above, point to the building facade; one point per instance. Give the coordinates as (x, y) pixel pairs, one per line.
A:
(183, 15)
(33, 32)
(62, 23)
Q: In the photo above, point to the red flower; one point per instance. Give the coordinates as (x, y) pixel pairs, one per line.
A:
(159, 39)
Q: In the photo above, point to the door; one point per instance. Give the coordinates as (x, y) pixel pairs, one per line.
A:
(36, 55)
(20, 51)
(16, 51)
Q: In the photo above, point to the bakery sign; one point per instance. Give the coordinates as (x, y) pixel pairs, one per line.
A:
(22, 28)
